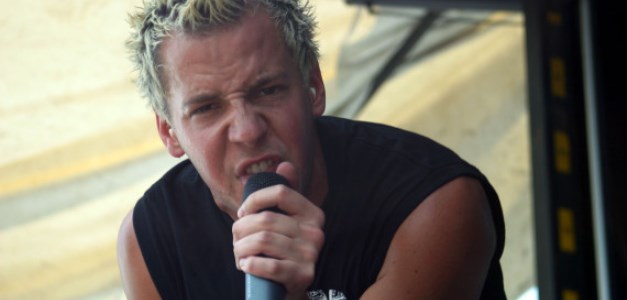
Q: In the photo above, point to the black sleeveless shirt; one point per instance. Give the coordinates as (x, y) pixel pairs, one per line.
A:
(377, 176)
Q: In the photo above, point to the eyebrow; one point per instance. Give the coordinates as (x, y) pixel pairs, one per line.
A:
(200, 98)
(267, 78)
(258, 83)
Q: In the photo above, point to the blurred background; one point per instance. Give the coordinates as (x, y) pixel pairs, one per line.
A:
(78, 144)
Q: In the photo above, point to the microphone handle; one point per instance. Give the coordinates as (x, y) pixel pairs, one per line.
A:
(264, 289)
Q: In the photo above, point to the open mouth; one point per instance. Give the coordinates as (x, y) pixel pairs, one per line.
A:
(262, 166)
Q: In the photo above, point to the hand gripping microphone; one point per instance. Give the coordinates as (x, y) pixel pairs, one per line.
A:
(258, 288)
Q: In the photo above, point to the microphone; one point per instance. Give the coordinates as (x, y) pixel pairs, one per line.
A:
(258, 288)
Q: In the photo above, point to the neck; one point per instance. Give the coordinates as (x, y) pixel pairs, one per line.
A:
(319, 182)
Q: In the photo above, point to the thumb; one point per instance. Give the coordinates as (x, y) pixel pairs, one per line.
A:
(287, 170)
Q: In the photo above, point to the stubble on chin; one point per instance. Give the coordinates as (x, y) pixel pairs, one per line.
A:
(227, 203)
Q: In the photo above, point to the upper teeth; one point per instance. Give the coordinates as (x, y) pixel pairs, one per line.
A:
(261, 166)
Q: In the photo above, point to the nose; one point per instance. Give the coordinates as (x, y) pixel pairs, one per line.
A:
(247, 126)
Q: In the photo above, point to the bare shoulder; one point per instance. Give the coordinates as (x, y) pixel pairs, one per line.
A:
(136, 280)
(443, 249)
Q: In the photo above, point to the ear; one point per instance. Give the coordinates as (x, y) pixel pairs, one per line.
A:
(316, 90)
(168, 137)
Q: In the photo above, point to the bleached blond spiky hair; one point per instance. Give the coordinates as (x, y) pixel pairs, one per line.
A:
(159, 19)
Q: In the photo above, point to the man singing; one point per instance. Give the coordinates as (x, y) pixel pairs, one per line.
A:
(370, 211)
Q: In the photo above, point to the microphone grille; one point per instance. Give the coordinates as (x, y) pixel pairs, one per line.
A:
(262, 180)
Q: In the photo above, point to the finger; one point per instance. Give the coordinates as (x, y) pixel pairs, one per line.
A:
(288, 170)
(304, 249)
(265, 221)
(312, 234)
(287, 200)
(272, 196)
(290, 274)
(266, 244)
(275, 246)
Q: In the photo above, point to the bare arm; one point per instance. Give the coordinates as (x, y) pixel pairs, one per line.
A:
(136, 280)
(443, 248)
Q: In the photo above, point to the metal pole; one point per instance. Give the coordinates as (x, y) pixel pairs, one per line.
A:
(594, 157)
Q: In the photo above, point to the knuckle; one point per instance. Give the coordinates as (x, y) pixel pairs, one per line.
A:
(321, 218)
(267, 217)
(318, 218)
(307, 275)
(318, 237)
(235, 230)
(264, 237)
(310, 254)
(283, 194)
(273, 267)
(299, 277)
(315, 235)
(282, 191)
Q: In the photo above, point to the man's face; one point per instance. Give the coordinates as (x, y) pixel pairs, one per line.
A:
(238, 106)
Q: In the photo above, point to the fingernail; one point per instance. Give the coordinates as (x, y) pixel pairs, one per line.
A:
(242, 263)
